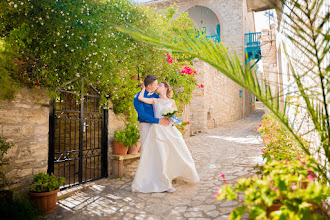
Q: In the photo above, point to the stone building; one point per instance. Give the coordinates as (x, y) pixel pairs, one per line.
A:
(232, 22)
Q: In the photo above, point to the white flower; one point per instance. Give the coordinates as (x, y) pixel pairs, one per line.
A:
(169, 110)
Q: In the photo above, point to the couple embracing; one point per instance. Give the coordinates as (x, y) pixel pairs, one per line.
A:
(164, 154)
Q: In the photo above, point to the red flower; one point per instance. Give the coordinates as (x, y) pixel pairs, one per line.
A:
(38, 84)
(224, 180)
(188, 123)
(182, 129)
(201, 86)
(169, 59)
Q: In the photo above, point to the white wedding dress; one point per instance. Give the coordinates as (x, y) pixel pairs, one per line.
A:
(164, 156)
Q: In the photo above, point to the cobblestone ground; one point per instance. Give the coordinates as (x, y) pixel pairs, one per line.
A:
(232, 149)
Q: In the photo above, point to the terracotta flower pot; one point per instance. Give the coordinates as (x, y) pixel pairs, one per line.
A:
(274, 207)
(119, 149)
(45, 200)
(135, 148)
(135, 77)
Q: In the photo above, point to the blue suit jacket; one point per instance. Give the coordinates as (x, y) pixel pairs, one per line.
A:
(145, 111)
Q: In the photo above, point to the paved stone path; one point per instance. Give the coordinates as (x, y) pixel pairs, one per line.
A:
(232, 149)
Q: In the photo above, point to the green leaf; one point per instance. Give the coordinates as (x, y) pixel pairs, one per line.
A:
(238, 212)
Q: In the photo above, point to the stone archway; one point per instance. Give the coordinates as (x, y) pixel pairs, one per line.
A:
(206, 20)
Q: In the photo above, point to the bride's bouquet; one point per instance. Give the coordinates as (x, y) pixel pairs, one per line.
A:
(170, 112)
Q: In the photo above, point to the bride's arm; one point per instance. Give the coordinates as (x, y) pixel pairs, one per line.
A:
(143, 99)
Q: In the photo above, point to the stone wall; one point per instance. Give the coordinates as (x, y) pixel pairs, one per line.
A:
(25, 122)
(269, 58)
(215, 104)
(219, 101)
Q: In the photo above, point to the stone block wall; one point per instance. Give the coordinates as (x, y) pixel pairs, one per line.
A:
(219, 101)
(215, 104)
(25, 122)
(269, 58)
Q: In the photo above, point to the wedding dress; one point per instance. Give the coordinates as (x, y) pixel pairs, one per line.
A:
(164, 156)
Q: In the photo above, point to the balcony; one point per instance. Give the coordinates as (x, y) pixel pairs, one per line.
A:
(216, 38)
(252, 47)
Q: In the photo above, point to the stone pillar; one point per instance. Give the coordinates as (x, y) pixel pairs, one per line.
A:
(269, 59)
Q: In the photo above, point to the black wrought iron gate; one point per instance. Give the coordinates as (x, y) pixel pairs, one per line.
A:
(77, 138)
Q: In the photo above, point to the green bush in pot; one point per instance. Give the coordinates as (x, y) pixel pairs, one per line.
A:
(129, 136)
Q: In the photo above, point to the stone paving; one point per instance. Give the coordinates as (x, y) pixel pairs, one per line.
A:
(232, 150)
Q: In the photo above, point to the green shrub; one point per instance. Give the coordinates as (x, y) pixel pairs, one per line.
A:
(290, 183)
(279, 145)
(54, 42)
(46, 183)
(129, 136)
(19, 207)
(4, 147)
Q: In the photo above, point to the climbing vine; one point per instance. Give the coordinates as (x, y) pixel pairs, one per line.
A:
(50, 43)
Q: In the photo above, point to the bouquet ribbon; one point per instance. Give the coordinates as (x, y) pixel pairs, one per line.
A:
(176, 120)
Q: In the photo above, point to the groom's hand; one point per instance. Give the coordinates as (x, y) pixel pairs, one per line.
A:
(164, 121)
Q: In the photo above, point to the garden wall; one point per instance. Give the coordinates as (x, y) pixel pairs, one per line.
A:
(25, 122)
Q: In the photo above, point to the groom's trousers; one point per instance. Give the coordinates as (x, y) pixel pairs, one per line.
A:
(144, 129)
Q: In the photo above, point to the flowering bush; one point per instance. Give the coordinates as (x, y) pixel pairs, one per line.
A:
(182, 128)
(282, 183)
(278, 144)
(49, 43)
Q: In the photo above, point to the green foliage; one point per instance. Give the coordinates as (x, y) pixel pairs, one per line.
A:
(46, 183)
(129, 136)
(181, 127)
(55, 42)
(307, 35)
(18, 207)
(290, 183)
(279, 145)
(4, 147)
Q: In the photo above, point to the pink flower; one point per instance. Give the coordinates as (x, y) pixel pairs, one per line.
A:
(224, 180)
(274, 188)
(309, 171)
(310, 178)
(169, 59)
(215, 195)
(260, 125)
(98, 82)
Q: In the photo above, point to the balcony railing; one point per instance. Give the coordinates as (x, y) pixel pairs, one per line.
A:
(216, 38)
(252, 47)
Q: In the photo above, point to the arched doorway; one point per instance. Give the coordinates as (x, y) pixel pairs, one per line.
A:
(207, 21)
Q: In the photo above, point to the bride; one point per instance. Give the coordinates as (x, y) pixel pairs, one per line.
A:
(164, 155)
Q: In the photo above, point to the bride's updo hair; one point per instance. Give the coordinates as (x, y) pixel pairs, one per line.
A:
(169, 92)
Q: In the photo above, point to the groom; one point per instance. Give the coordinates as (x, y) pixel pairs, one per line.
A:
(146, 111)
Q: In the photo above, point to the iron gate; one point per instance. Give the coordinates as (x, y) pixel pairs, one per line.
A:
(77, 138)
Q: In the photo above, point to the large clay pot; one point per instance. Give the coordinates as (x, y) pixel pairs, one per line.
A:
(135, 148)
(273, 208)
(135, 77)
(45, 200)
(119, 149)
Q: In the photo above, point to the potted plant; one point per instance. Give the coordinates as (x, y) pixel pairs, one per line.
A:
(44, 189)
(127, 140)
